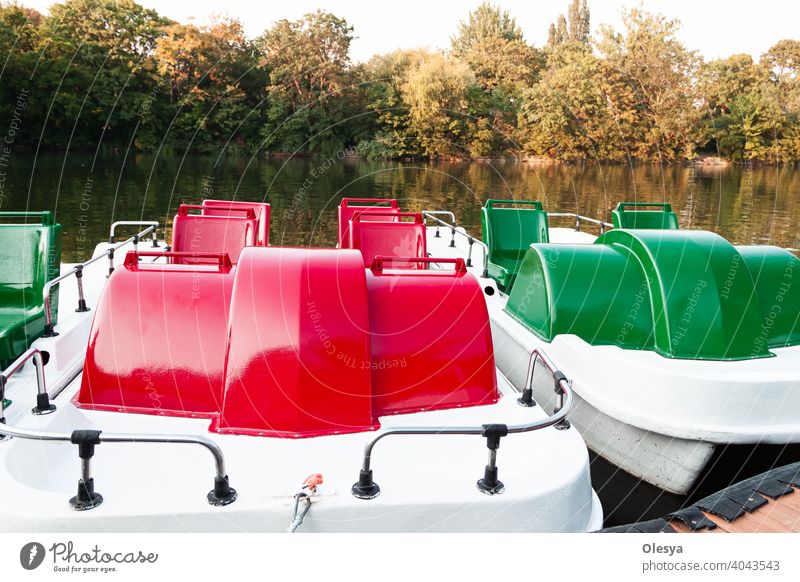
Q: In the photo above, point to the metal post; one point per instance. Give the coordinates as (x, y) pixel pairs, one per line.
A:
(49, 326)
(490, 484)
(453, 236)
(3, 381)
(558, 377)
(526, 399)
(155, 238)
(110, 261)
(81, 301)
(577, 222)
(43, 404)
(135, 242)
(469, 253)
(86, 498)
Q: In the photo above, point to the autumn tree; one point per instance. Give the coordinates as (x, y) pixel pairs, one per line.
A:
(572, 29)
(436, 91)
(210, 75)
(661, 71)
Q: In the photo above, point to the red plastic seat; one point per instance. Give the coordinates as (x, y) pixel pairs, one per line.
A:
(197, 234)
(430, 338)
(389, 239)
(158, 338)
(350, 206)
(226, 208)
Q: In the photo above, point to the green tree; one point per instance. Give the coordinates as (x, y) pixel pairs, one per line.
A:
(95, 68)
(309, 83)
(491, 43)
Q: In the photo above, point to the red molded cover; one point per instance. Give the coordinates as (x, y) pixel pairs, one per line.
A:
(349, 206)
(298, 360)
(290, 343)
(389, 239)
(199, 233)
(431, 339)
(158, 338)
(226, 208)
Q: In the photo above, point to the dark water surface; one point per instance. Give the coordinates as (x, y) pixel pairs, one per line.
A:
(745, 205)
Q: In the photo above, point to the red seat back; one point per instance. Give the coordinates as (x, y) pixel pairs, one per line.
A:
(386, 208)
(197, 234)
(157, 344)
(225, 208)
(389, 239)
(430, 337)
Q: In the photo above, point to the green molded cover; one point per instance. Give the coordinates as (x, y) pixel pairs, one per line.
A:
(30, 255)
(631, 215)
(683, 294)
(776, 273)
(508, 232)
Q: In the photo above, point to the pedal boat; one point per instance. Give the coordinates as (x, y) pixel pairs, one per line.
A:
(330, 395)
(683, 350)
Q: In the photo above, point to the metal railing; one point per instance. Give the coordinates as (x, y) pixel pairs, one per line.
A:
(580, 219)
(77, 270)
(454, 229)
(366, 488)
(87, 498)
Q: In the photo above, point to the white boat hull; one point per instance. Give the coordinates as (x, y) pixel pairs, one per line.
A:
(658, 419)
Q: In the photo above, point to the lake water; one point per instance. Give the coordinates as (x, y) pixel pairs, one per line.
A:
(745, 205)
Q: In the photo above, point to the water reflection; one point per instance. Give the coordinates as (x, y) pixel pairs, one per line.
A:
(746, 205)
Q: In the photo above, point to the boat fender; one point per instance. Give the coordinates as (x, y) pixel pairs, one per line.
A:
(490, 484)
(693, 518)
(723, 507)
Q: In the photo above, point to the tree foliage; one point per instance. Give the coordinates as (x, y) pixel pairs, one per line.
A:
(96, 72)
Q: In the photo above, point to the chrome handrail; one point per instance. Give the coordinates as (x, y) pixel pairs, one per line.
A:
(77, 270)
(222, 494)
(579, 218)
(454, 229)
(366, 488)
(38, 435)
(114, 225)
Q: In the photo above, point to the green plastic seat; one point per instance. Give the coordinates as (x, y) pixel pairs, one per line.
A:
(628, 215)
(30, 255)
(508, 232)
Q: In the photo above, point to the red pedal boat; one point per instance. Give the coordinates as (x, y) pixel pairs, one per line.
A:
(348, 389)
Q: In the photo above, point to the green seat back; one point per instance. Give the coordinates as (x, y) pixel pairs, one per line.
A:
(30, 255)
(629, 215)
(508, 232)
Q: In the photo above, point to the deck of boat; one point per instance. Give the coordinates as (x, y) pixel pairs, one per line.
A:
(765, 503)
